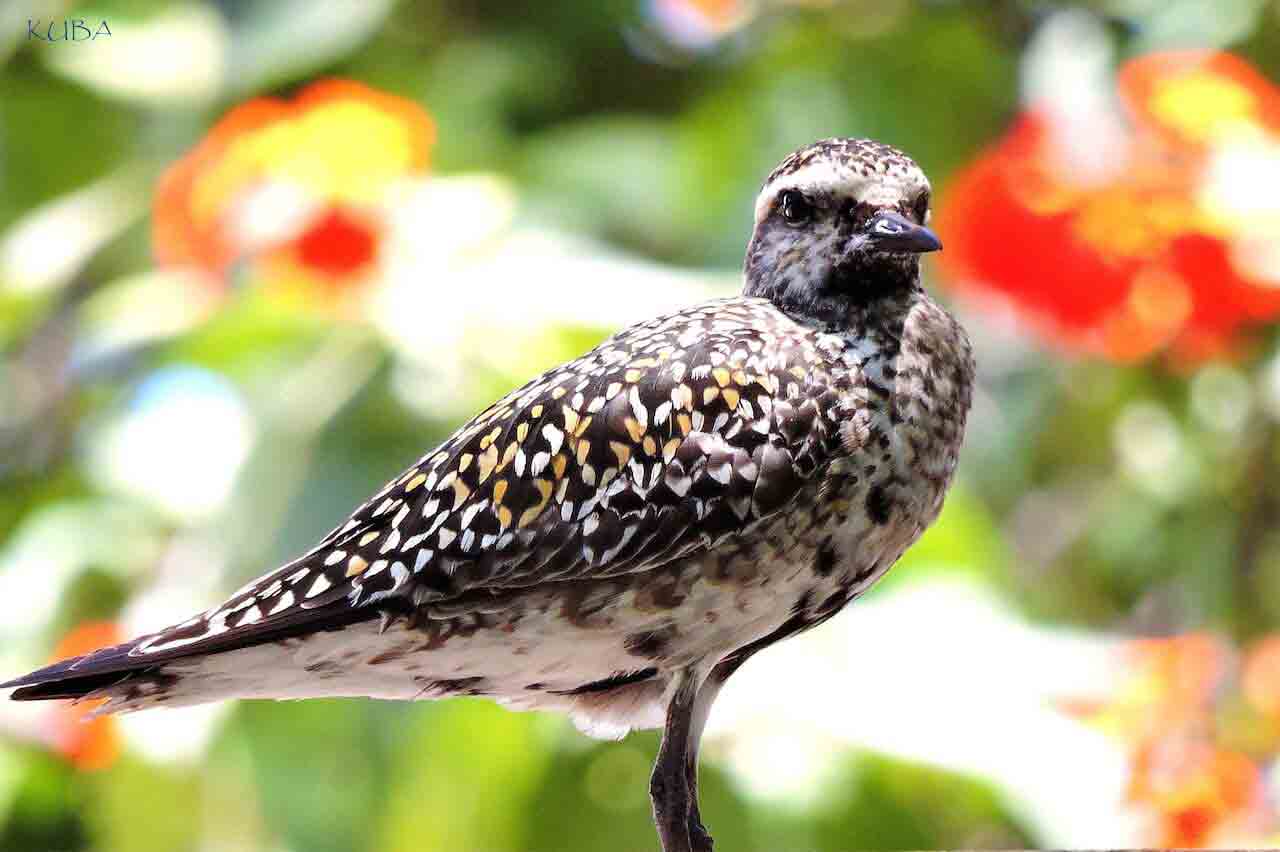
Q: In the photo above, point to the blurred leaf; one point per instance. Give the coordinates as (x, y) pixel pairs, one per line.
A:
(81, 139)
(468, 776)
(314, 772)
(281, 41)
(139, 807)
(252, 334)
(615, 178)
(891, 804)
(45, 812)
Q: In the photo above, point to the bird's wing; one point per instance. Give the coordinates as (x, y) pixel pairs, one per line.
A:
(667, 438)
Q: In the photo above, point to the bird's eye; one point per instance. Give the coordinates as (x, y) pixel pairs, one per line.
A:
(921, 208)
(795, 208)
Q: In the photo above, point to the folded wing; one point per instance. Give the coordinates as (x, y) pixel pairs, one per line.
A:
(666, 439)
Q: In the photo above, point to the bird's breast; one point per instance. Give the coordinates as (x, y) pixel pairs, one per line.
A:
(902, 414)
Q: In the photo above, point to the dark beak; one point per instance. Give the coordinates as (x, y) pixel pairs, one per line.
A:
(890, 231)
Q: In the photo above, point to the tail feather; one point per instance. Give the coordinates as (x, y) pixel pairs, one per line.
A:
(306, 596)
(68, 689)
(78, 677)
(63, 680)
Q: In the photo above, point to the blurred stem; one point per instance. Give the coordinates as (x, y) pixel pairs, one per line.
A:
(1261, 500)
(37, 437)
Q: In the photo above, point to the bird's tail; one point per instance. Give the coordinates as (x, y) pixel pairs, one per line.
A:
(133, 674)
(260, 626)
(319, 665)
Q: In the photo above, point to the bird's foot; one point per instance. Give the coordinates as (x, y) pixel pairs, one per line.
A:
(675, 810)
(699, 838)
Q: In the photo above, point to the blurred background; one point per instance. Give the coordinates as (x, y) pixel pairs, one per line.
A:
(256, 257)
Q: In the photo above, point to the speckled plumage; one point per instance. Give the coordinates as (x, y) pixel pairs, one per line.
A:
(638, 521)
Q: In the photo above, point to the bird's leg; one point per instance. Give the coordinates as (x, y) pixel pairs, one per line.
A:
(698, 711)
(671, 790)
(699, 838)
(674, 785)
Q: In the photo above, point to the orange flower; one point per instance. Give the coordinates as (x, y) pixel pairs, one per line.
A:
(1171, 245)
(699, 23)
(94, 743)
(1168, 689)
(293, 188)
(1261, 678)
(1201, 795)
(1196, 791)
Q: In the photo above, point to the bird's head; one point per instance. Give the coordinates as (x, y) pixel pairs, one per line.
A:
(839, 223)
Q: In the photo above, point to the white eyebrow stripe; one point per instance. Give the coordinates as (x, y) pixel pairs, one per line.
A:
(826, 176)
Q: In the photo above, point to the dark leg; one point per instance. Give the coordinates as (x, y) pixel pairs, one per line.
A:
(673, 788)
(699, 838)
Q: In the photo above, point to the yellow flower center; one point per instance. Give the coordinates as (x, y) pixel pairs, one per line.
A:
(1203, 107)
(346, 152)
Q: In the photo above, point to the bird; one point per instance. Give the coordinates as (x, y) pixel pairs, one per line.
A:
(614, 539)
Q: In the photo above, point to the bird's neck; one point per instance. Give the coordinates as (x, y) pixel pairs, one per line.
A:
(846, 299)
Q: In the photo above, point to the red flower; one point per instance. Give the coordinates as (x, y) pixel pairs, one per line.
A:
(293, 188)
(1165, 247)
(337, 244)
